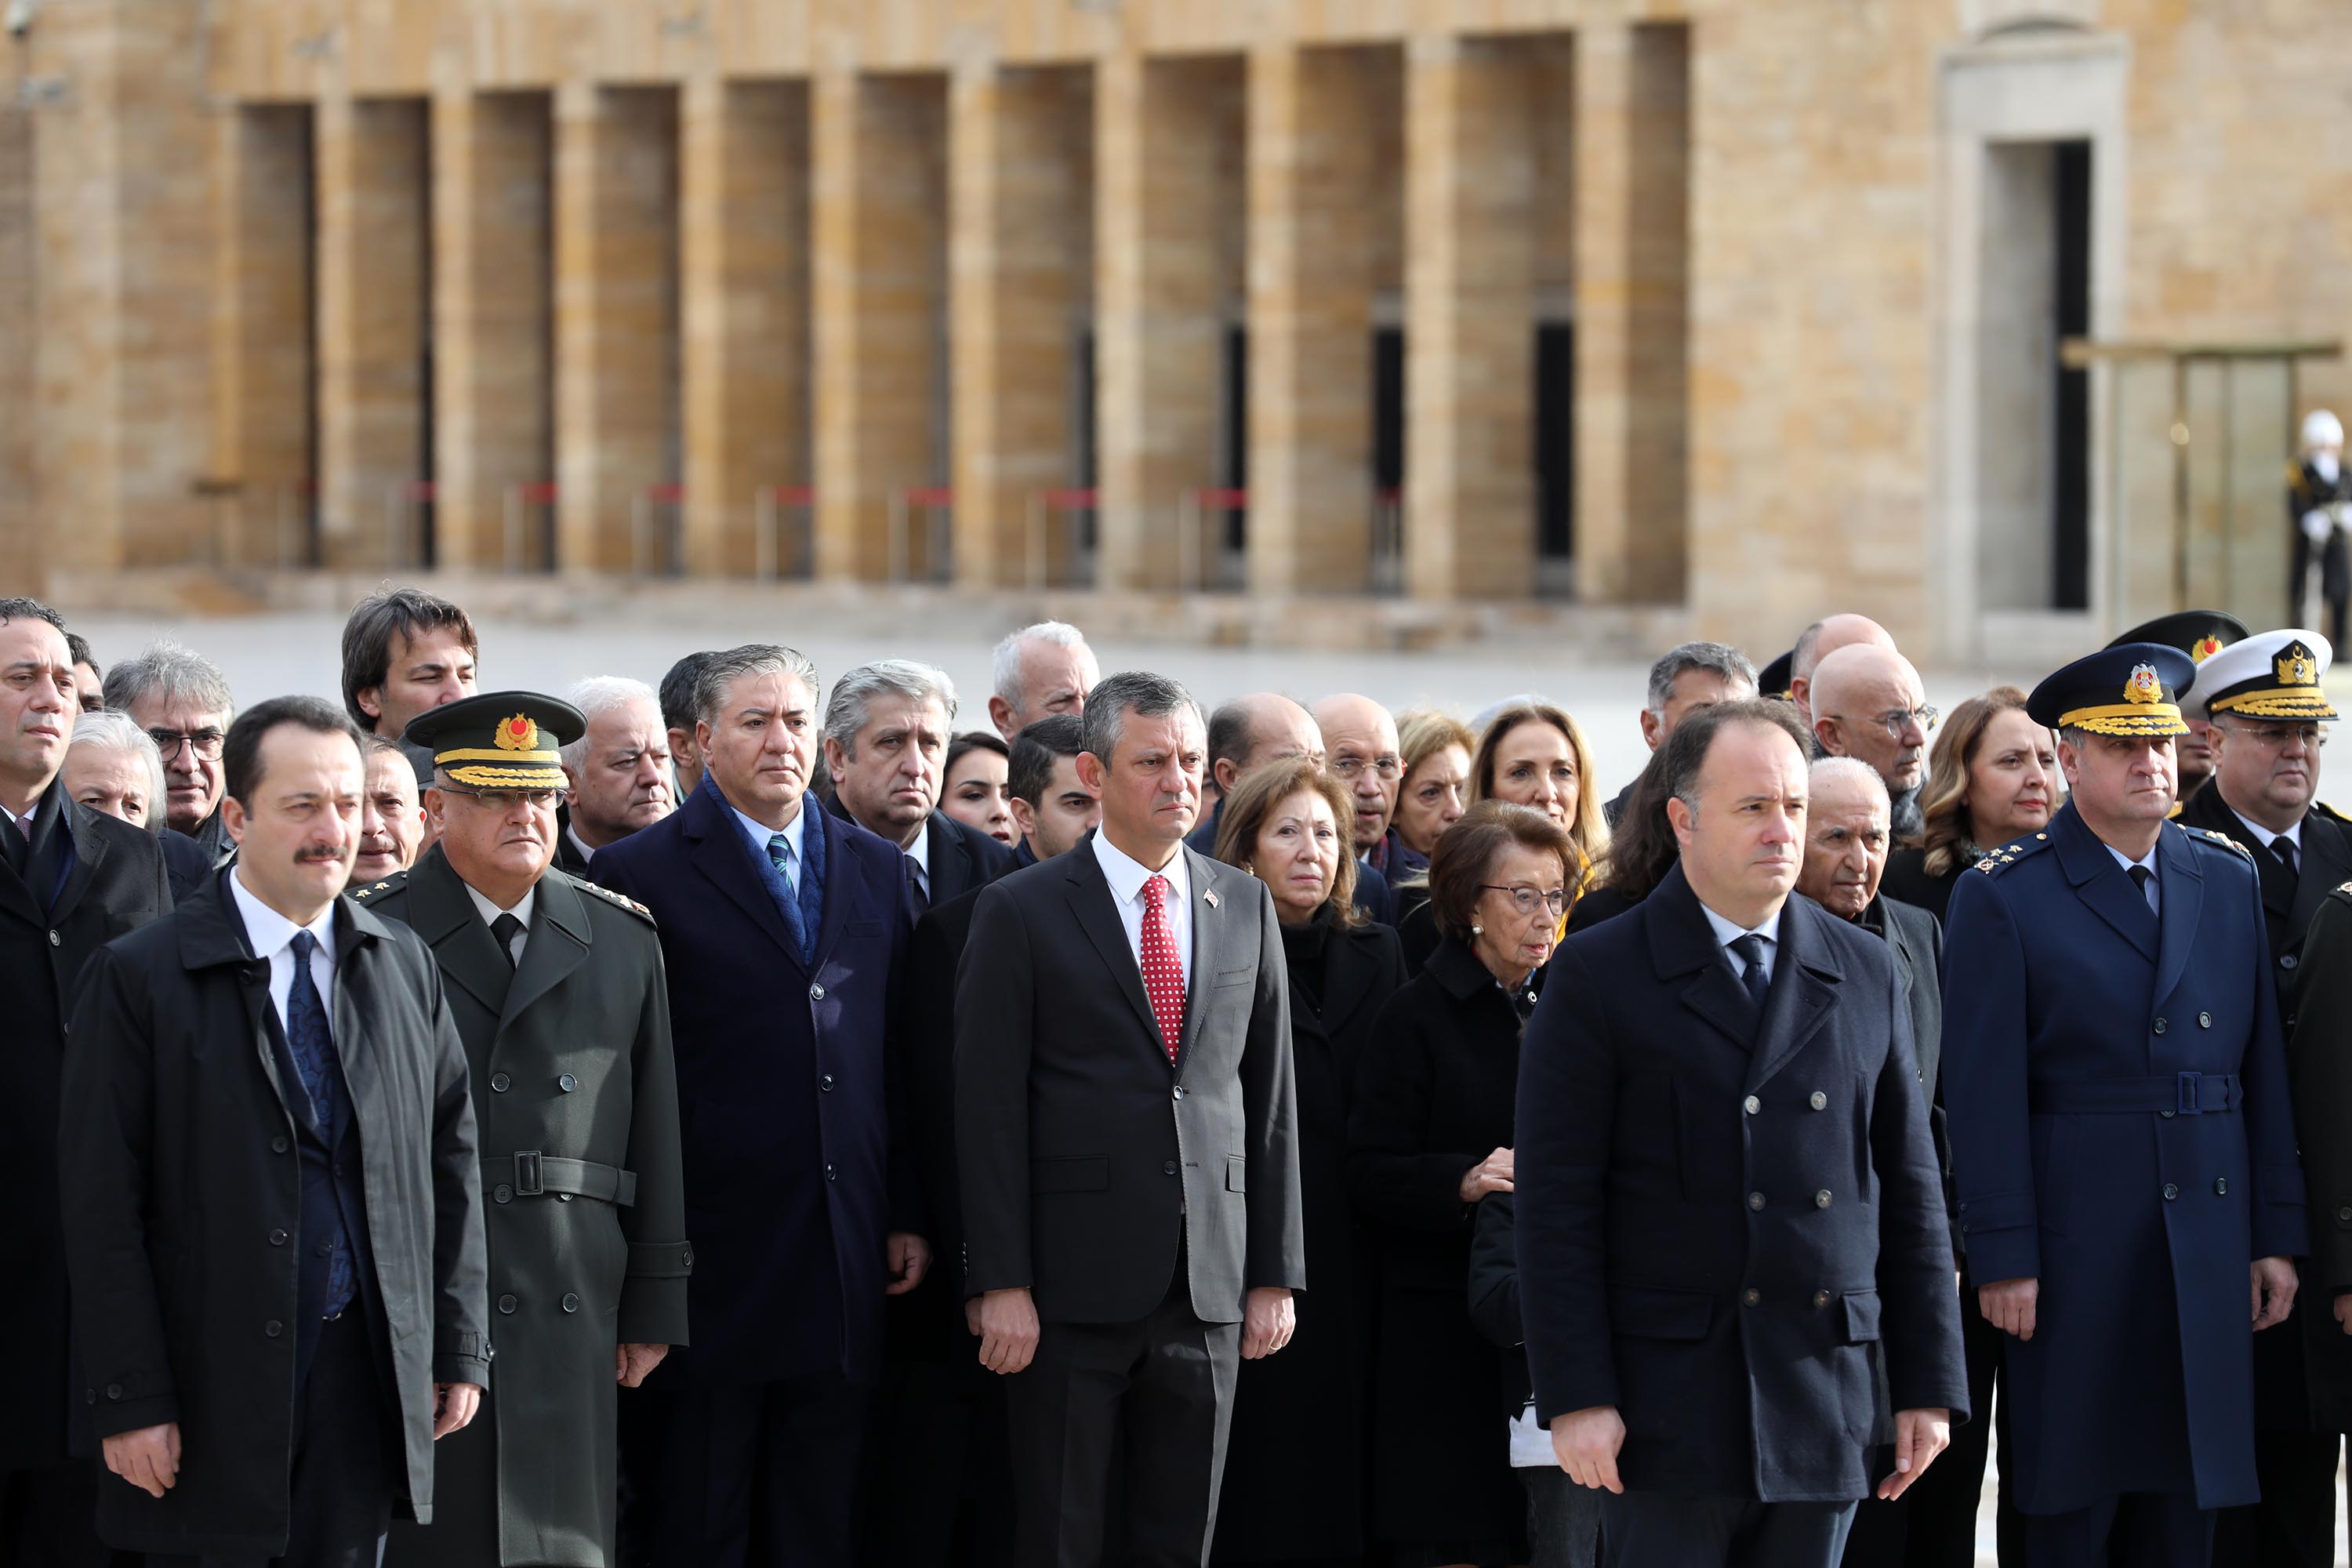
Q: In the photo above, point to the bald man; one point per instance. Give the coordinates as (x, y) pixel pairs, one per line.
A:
(1868, 704)
(1244, 734)
(1366, 758)
(1817, 642)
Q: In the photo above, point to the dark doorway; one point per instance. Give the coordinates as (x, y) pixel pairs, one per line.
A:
(1388, 410)
(2070, 495)
(1555, 441)
(1236, 468)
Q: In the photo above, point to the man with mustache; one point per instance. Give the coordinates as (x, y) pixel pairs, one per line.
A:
(274, 1221)
(2263, 701)
(391, 819)
(558, 992)
(2122, 1147)
(71, 880)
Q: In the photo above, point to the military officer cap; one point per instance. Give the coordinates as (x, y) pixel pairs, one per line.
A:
(2132, 688)
(2200, 634)
(2275, 675)
(1774, 681)
(499, 740)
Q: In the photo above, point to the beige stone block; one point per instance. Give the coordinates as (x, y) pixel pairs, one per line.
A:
(23, 540)
(262, 306)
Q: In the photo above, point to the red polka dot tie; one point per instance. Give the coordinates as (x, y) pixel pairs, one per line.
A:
(1163, 969)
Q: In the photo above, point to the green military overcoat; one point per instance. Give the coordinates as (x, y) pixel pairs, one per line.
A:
(576, 1104)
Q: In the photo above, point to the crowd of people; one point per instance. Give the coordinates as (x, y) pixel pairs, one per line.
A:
(742, 1120)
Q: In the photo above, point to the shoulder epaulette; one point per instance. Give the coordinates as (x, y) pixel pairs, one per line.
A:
(2343, 891)
(2011, 853)
(610, 897)
(2321, 808)
(390, 884)
(2222, 839)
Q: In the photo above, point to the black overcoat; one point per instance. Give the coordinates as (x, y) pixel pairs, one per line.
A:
(569, 1056)
(98, 878)
(183, 1188)
(1434, 1100)
(1732, 1224)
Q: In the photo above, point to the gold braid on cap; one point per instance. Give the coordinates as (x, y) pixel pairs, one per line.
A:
(2126, 719)
(509, 778)
(2278, 702)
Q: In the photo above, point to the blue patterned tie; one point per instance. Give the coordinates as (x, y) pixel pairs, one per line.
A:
(780, 854)
(313, 1048)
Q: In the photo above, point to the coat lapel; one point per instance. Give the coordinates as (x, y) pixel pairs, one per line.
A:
(2326, 865)
(1805, 979)
(211, 935)
(1348, 967)
(89, 852)
(1098, 915)
(1211, 942)
(838, 887)
(557, 945)
(2102, 883)
(721, 853)
(1682, 944)
(446, 917)
(2180, 895)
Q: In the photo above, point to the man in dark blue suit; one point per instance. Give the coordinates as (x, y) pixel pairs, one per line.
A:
(886, 726)
(2122, 1141)
(1731, 1229)
(782, 930)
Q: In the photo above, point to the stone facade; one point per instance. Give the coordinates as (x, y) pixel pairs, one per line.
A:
(971, 292)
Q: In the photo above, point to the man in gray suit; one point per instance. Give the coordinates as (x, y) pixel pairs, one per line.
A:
(1125, 1125)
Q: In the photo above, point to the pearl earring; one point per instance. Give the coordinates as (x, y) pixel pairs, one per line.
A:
(1478, 930)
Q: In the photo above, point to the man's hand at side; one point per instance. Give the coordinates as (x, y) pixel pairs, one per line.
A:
(632, 1364)
(1268, 1320)
(2273, 1281)
(148, 1458)
(1008, 1331)
(1586, 1442)
(454, 1404)
(1919, 1437)
(909, 1259)
(2008, 1305)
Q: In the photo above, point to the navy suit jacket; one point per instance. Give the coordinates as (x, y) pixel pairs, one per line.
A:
(783, 1091)
(1730, 1226)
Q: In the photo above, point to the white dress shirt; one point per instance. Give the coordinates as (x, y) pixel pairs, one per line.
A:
(272, 936)
(1725, 933)
(759, 833)
(587, 850)
(2269, 840)
(2155, 882)
(920, 852)
(1127, 876)
(490, 913)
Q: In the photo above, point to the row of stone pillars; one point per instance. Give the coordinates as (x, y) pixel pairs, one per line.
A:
(868, 283)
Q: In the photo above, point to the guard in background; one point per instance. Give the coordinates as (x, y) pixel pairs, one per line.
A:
(558, 992)
(2319, 509)
(2122, 1142)
(2200, 634)
(2263, 701)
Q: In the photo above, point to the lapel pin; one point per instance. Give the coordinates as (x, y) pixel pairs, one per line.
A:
(1208, 898)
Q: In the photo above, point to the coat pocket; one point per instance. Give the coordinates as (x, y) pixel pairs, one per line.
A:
(1658, 1335)
(1236, 1172)
(1861, 1310)
(1071, 1174)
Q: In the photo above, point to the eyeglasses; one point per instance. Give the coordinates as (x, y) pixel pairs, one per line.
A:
(1389, 768)
(2274, 737)
(1894, 723)
(504, 800)
(207, 742)
(1525, 900)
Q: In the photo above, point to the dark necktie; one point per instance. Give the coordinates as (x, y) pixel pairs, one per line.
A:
(504, 929)
(312, 1045)
(2141, 877)
(1750, 949)
(914, 894)
(2284, 849)
(16, 843)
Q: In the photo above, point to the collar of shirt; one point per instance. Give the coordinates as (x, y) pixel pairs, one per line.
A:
(1126, 875)
(2127, 862)
(587, 852)
(2265, 838)
(271, 932)
(759, 833)
(920, 852)
(491, 911)
(1725, 933)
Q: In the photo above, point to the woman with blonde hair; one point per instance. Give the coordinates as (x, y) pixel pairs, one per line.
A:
(1533, 755)
(1435, 790)
(1993, 776)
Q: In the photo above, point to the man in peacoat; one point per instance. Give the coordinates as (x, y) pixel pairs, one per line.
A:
(70, 880)
(2122, 1142)
(1730, 1222)
(783, 929)
(558, 992)
(273, 1214)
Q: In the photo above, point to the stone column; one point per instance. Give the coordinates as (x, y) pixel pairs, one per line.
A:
(1310, 321)
(1472, 225)
(616, 340)
(21, 536)
(372, 233)
(1012, 194)
(1160, 289)
(743, 250)
(261, 333)
(494, 428)
(1633, 223)
(878, 205)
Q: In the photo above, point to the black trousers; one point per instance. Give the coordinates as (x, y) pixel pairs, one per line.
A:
(938, 1487)
(1164, 1386)
(344, 1457)
(763, 1476)
(2294, 1524)
(1662, 1530)
(2143, 1530)
(49, 1517)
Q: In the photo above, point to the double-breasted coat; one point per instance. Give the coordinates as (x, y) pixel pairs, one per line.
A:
(2319, 1064)
(576, 1113)
(2121, 1132)
(93, 878)
(1730, 1222)
(184, 1188)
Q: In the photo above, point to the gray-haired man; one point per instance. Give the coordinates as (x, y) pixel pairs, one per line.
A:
(182, 700)
(619, 769)
(886, 740)
(1692, 676)
(1039, 671)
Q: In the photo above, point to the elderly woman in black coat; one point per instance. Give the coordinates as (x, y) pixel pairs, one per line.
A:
(1431, 1136)
(1295, 1461)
